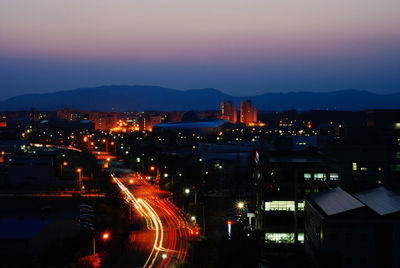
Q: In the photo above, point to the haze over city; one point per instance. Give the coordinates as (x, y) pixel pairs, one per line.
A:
(237, 46)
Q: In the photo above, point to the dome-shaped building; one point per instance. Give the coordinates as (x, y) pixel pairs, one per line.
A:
(192, 123)
(190, 116)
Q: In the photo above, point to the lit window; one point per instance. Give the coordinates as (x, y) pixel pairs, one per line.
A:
(279, 205)
(300, 237)
(285, 238)
(320, 177)
(354, 166)
(307, 176)
(334, 176)
(300, 206)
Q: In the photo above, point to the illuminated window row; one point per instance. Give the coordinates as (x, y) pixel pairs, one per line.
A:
(283, 206)
(284, 238)
(321, 176)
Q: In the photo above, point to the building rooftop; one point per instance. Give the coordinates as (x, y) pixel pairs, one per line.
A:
(335, 201)
(380, 200)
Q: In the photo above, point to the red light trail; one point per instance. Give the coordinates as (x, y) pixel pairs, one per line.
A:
(172, 228)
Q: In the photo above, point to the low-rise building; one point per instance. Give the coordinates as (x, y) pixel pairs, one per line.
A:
(360, 230)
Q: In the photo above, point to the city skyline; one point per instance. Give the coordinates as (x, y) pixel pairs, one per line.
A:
(213, 133)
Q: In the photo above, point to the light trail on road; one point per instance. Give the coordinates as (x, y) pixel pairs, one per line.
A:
(172, 228)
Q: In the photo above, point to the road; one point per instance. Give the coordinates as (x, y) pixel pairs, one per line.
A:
(171, 230)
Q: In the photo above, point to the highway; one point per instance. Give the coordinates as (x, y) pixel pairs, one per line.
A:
(171, 230)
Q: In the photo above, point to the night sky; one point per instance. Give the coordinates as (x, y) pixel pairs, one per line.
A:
(242, 47)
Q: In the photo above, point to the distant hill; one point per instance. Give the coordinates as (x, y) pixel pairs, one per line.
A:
(140, 98)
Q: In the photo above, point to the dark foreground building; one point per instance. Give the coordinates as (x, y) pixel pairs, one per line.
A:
(360, 230)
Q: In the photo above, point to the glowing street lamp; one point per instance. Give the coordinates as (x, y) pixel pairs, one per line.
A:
(79, 171)
(187, 191)
(105, 236)
(240, 205)
(193, 218)
(105, 141)
(64, 164)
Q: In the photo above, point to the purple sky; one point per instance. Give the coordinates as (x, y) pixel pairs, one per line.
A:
(243, 47)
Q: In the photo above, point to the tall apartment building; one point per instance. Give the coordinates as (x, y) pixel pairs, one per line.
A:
(103, 120)
(228, 112)
(248, 113)
(70, 115)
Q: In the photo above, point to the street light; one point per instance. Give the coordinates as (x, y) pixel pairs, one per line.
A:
(105, 236)
(105, 141)
(240, 205)
(193, 218)
(79, 170)
(187, 192)
(64, 164)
